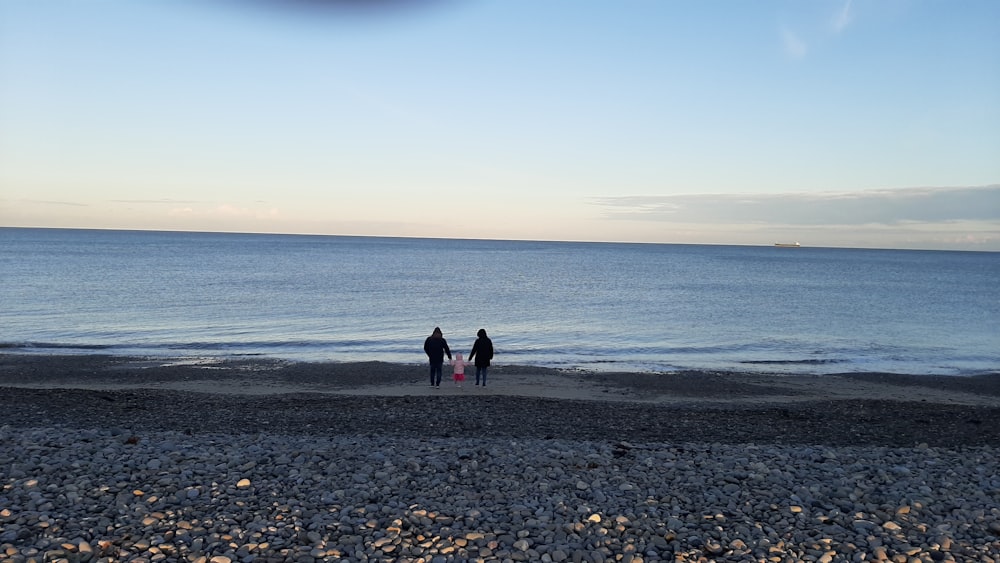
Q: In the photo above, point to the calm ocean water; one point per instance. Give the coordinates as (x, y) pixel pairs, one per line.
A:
(596, 306)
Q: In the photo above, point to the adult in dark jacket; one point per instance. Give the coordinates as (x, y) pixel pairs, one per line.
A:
(482, 353)
(436, 347)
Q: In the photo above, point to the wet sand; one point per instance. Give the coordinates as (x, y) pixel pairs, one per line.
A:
(262, 395)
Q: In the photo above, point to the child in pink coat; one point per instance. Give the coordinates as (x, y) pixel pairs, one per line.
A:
(459, 363)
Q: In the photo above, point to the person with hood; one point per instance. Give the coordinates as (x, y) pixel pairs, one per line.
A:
(436, 347)
(481, 354)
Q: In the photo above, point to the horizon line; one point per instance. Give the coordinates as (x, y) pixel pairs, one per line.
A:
(410, 237)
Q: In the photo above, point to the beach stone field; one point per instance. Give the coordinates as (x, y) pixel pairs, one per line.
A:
(109, 495)
(159, 475)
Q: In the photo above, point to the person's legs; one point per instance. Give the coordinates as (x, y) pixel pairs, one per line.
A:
(437, 375)
(432, 375)
(479, 372)
(484, 374)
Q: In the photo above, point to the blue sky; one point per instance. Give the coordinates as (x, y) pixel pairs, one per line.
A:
(857, 123)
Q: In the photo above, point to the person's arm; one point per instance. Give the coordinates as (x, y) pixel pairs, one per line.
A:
(447, 350)
(472, 354)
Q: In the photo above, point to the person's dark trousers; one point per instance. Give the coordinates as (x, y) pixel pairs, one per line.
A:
(436, 375)
(481, 372)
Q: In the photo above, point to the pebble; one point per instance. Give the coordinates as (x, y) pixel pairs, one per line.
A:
(89, 495)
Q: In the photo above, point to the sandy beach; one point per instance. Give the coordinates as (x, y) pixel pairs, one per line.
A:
(520, 401)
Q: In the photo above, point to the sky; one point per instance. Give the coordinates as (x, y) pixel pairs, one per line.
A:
(847, 123)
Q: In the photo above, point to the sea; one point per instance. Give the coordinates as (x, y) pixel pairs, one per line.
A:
(604, 307)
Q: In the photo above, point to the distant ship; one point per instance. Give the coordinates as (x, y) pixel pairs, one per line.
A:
(787, 244)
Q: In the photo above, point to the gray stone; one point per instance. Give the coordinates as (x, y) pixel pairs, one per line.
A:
(428, 502)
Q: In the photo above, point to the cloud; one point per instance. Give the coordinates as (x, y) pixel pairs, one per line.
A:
(155, 201)
(51, 202)
(797, 43)
(223, 211)
(238, 211)
(873, 207)
(843, 18)
(795, 47)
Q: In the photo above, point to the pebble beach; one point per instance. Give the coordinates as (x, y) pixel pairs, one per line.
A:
(107, 459)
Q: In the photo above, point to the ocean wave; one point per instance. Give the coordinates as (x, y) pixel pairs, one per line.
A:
(53, 346)
(805, 362)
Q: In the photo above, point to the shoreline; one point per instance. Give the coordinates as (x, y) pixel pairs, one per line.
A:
(372, 398)
(267, 376)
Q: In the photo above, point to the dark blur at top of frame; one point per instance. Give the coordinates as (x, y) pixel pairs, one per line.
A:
(359, 8)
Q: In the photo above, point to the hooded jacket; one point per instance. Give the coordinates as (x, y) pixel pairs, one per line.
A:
(436, 347)
(482, 350)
